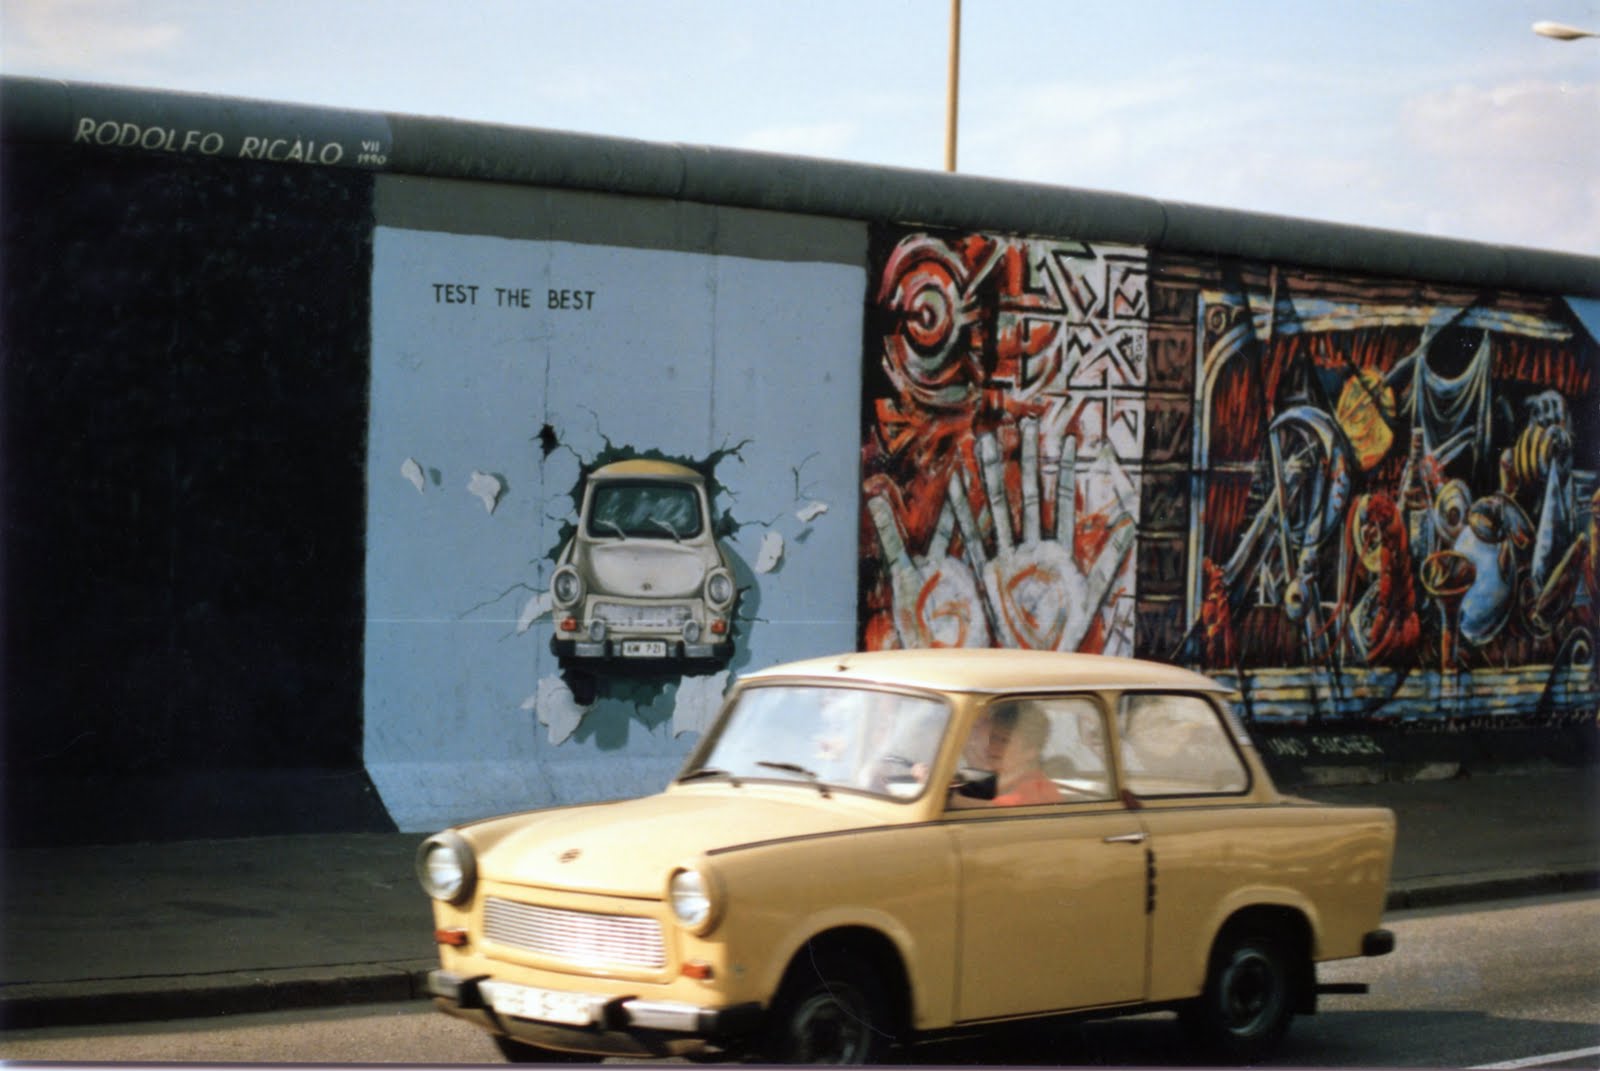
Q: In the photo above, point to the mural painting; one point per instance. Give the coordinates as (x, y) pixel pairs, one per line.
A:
(1004, 420)
(642, 579)
(585, 516)
(1363, 503)
(1396, 495)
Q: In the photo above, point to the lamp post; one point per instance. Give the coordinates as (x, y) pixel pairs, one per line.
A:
(953, 88)
(1561, 31)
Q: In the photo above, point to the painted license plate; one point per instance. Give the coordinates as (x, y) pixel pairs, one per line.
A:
(543, 1005)
(644, 648)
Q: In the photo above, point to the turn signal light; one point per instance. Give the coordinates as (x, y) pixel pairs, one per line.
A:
(569, 624)
(453, 937)
(697, 969)
(718, 626)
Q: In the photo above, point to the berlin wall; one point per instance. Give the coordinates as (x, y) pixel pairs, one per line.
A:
(308, 413)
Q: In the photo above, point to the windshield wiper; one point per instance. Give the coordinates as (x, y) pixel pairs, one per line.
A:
(613, 525)
(810, 775)
(670, 530)
(710, 771)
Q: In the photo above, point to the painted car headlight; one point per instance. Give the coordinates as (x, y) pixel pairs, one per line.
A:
(566, 587)
(693, 900)
(446, 867)
(719, 588)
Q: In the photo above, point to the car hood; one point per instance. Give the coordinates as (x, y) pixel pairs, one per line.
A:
(630, 848)
(650, 569)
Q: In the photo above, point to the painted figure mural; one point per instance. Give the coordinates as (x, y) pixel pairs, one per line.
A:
(1003, 421)
(1363, 502)
(1394, 499)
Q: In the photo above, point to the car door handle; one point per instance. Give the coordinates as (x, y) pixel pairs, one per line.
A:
(1126, 838)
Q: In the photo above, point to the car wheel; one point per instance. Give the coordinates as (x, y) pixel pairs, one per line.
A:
(830, 1010)
(520, 1052)
(1249, 998)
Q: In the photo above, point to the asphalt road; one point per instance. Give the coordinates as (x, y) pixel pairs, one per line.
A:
(1511, 984)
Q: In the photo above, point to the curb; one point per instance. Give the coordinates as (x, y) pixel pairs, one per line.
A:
(37, 1005)
(1493, 885)
(126, 1000)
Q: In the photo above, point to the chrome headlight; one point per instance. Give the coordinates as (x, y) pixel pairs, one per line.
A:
(693, 899)
(446, 867)
(719, 588)
(566, 587)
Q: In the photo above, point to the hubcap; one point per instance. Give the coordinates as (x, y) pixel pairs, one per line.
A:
(1250, 992)
(828, 1028)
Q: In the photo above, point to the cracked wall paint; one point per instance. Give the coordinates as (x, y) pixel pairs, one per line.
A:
(486, 488)
(537, 606)
(556, 709)
(698, 700)
(414, 474)
(811, 511)
(771, 553)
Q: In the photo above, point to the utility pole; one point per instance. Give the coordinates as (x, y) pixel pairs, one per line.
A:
(954, 87)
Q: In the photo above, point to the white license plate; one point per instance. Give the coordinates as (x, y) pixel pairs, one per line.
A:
(544, 1005)
(644, 648)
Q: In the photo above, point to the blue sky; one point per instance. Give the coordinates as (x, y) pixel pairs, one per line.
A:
(1445, 117)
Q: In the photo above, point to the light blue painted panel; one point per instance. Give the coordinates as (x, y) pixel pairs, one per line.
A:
(683, 353)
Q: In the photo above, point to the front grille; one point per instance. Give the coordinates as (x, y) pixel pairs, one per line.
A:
(576, 937)
(664, 617)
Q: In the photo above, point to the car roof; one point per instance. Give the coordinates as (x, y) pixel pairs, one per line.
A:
(995, 670)
(646, 467)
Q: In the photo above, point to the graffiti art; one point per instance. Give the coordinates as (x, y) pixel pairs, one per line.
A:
(1394, 492)
(1004, 422)
(1363, 502)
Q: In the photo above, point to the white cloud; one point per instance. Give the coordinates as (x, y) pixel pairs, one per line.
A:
(113, 36)
(803, 139)
(1515, 163)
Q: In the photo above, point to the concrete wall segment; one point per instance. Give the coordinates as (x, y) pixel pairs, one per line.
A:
(682, 348)
(32, 109)
(752, 315)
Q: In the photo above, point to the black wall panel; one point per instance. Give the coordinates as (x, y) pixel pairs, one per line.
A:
(185, 391)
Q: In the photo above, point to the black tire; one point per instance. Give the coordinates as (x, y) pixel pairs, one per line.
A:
(830, 1010)
(1249, 999)
(520, 1052)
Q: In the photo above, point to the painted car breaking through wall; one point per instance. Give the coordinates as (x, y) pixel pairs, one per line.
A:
(1362, 502)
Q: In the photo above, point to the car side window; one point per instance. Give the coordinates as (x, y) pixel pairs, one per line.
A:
(1174, 745)
(1047, 749)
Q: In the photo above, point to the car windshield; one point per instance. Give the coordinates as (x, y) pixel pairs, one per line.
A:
(645, 510)
(859, 739)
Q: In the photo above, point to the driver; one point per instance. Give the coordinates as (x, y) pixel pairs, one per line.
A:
(1017, 735)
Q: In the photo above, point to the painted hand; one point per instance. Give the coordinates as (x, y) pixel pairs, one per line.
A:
(1039, 596)
(936, 598)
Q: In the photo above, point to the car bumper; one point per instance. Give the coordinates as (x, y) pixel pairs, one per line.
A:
(613, 650)
(1377, 943)
(621, 1026)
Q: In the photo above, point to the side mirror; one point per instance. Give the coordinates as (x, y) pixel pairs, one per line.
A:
(976, 784)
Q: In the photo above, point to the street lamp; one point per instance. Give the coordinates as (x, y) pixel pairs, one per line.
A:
(1561, 31)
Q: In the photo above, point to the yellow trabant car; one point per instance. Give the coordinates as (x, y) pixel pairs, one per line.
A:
(873, 848)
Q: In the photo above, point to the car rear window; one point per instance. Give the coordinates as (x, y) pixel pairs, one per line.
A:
(1177, 745)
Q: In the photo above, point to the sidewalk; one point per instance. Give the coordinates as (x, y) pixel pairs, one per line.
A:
(157, 931)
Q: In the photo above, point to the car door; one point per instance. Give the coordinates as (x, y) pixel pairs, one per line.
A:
(1052, 887)
(1179, 757)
